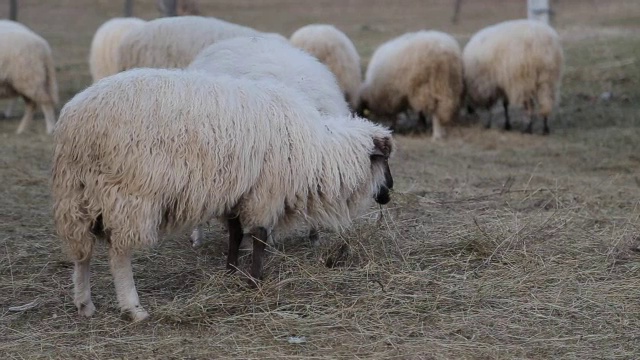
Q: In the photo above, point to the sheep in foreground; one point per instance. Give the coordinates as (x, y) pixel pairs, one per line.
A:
(334, 49)
(519, 62)
(174, 42)
(154, 151)
(27, 71)
(103, 57)
(260, 58)
(420, 71)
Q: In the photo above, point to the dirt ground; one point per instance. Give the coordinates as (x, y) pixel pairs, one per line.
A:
(496, 245)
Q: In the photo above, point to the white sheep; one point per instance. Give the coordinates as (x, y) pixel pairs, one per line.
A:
(260, 58)
(334, 49)
(519, 62)
(153, 151)
(27, 71)
(419, 71)
(174, 42)
(103, 56)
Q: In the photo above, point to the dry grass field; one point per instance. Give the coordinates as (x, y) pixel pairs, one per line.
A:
(496, 245)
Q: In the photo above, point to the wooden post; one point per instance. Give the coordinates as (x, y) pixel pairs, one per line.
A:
(128, 8)
(13, 10)
(456, 11)
(168, 7)
(539, 10)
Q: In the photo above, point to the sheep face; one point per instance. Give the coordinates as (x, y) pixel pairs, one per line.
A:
(382, 177)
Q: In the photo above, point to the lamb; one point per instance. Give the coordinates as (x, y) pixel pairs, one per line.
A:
(419, 71)
(519, 62)
(334, 49)
(174, 42)
(28, 72)
(170, 149)
(261, 58)
(103, 57)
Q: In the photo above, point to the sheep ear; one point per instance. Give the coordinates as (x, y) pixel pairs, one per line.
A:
(381, 147)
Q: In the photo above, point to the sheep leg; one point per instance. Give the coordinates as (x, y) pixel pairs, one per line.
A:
(49, 117)
(196, 237)
(29, 109)
(82, 287)
(507, 122)
(235, 239)
(488, 124)
(314, 237)
(125, 286)
(260, 236)
(528, 105)
(8, 111)
(438, 130)
(545, 129)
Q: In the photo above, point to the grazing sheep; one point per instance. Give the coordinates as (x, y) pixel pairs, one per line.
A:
(153, 151)
(260, 58)
(27, 71)
(420, 71)
(519, 62)
(173, 42)
(334, 49)
(103, 57)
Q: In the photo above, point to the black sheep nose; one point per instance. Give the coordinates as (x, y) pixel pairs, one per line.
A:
(383, 196)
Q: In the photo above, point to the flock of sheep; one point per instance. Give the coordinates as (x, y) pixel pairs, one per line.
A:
(193, 118)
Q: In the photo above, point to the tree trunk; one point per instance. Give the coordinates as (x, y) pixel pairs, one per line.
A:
(13, 10)
(128, 8)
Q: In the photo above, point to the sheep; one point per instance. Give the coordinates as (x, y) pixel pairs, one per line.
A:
(519, 62)
(174, 42)
(103, 56)
(334, 49)
(27, 71)
(154, 151)
(419, 71)
(260, 57)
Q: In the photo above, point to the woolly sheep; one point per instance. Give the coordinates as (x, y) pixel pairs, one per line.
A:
(420, 71)
(519, 62)
(261, 58)
(334, 49)
(174, 42)
(27, 71)
(103, 56)
(152, 151)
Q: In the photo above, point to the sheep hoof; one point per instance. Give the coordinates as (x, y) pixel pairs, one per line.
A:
(86, 310)
(137, 314)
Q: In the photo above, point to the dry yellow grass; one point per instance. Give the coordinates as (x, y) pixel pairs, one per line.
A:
(495, 246)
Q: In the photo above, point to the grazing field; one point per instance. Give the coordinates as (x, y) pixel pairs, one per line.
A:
(496, 245)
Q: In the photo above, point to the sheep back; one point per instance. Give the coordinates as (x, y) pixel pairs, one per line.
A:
(334, 49)
(103, 56)
(260, 58)
(421, 70)
(26, 65)
(519, 59)
(174, 42)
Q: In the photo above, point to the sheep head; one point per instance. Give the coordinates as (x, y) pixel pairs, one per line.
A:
(382, 149)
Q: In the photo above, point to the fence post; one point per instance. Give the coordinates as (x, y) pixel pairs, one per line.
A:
(168, 7)
(539, 10)
(13, 10)
(128, 8)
